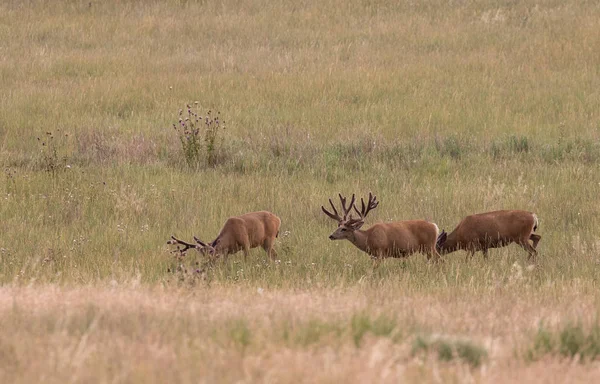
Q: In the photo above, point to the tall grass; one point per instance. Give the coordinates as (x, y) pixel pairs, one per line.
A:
(441, 109)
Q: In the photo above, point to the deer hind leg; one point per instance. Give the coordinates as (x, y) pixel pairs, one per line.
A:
(529, 248)
(268, 247)
(432, 253)
(535, 238)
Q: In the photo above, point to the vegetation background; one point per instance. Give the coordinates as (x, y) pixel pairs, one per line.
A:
(441, 108)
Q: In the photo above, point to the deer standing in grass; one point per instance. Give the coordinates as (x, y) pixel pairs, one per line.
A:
(496, 229)
(381, 240)
(239, 233)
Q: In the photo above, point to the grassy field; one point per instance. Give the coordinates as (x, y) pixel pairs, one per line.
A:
(440, 108)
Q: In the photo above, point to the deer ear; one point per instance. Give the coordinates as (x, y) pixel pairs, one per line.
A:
(441, 238)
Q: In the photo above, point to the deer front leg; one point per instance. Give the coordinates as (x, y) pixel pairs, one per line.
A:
(433, 255)
(376, 258)
(268, 247)
(485, 253)
(470, 254)
(376, 262)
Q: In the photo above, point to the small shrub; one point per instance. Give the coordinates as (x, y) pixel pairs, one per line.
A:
(570, 341)
(509, 146)
(543, 343)
(448, 350)
(382, 326)
(451, 147)
(313, 331)
(585, 151)
(240, 333)
(199, 136)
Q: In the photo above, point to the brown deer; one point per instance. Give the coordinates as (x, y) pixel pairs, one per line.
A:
(381, 240)
(240, 233)
(496, 229)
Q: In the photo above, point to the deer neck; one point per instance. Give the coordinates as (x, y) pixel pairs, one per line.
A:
(450, 245)
(359, 239)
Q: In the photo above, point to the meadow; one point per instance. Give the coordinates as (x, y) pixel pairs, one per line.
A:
(440, 108)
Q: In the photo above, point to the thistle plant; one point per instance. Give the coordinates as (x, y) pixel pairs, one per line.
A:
(199, 136)
(53, 154)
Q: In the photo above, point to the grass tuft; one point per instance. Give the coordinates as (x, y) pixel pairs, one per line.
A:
(571, 341)
(448, 349)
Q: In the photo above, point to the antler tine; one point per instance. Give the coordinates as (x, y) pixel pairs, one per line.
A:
(199, 241)
(372, 204)
(343, 200)
(334, 210)
(335, 215)
(360, 213)
(352, 203)
(176, 241)
(364, 209)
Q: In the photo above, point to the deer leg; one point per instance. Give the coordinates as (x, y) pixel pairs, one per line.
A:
(268, 247)
(529, 248)
(535, 238)
(433, 253)
(485, 253)
(470, 254)
(376, 262)
(376, 258)
(246, 250)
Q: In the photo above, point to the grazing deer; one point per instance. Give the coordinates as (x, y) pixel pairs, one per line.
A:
(240, 233)
(381, 240)
(496, 229)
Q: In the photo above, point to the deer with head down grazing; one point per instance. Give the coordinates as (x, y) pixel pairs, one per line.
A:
(381, 240)
(496, 229)
(239, 233)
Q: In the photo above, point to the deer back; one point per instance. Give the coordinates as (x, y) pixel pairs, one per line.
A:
(509, 225)
(408, 235)
(250, 229)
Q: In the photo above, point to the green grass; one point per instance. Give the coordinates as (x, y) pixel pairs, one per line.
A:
(448, 350)
(572, 340)
(441, 109)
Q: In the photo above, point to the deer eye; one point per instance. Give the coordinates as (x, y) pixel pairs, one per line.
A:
(343, 229)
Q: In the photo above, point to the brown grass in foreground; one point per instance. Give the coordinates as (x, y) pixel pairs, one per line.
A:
(245, 334)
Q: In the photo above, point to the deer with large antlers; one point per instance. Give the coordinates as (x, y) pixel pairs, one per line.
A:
(239, 233)
(381, 240)
(495, 229)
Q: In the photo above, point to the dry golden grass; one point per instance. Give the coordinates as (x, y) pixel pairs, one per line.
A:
(225, 334)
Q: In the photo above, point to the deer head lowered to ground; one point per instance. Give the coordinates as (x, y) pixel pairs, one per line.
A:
(496, 229)
(381, 240)
(239, 233)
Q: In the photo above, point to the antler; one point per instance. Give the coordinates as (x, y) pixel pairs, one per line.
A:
(177, 242)
(335, 215)
(197, 240)
(364, 210)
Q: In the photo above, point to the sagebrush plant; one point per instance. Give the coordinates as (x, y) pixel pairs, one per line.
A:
(199, 135)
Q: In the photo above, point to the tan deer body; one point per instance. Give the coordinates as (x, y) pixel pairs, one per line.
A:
(381, 240)
(240, 233)
(483, 231)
